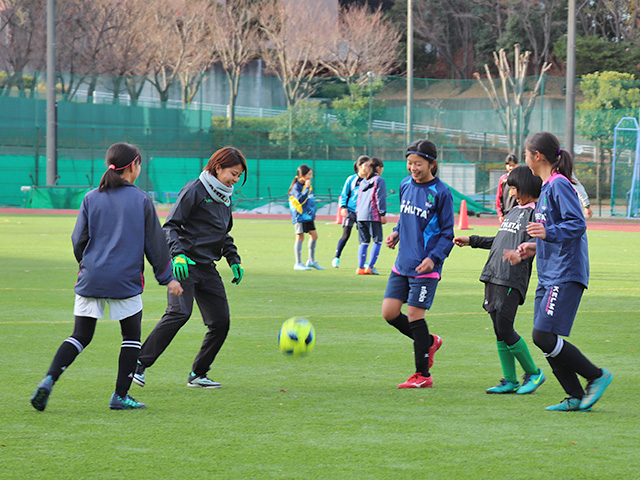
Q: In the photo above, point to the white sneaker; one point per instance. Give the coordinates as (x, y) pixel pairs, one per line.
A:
(300, 266)
(314, 264)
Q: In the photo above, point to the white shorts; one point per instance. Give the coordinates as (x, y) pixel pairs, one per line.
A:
(119, 308)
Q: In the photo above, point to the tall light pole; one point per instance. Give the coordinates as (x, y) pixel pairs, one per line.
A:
(52, 147)
(370, 75)
(570, 80)
(409, 69)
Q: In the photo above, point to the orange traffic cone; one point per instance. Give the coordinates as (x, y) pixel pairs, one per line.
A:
(463, 219)
(338, 219)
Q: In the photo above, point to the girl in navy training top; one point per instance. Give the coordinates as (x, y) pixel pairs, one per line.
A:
(116, 228)
(506, 286)
(560, 234)
(302, 204)
(424, 234)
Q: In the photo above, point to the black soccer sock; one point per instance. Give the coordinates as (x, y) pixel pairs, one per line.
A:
(571, 356)
(83, 330)
(421, 342)
(401, 323)
(66, 354)
(129, 351)
(567, 377)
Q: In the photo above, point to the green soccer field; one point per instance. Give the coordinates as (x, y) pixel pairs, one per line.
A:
(336, 414)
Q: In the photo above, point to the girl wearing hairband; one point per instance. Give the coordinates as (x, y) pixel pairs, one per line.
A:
(560, 242)
(117, 227)
(424, 235)
(197, 229)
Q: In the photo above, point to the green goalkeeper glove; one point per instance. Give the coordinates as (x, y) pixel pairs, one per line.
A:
(181, 266)
(237, 273)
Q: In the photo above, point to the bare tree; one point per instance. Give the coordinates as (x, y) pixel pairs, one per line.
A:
(537, 20)
(447, 26)
(177, 30)
(234, 43)
(22, 41)
(126, 48)
(362, 42)
(510, 102)
(294, 32)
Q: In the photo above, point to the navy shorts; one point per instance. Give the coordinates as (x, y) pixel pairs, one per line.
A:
(556, 306)
(369, 230)
(349, 220)
(414, 291)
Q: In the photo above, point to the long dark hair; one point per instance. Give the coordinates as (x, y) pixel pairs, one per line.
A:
(224, 158)
(119, 157)
(301, 172)
(549, 146)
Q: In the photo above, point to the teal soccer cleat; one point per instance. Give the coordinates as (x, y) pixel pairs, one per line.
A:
(530, 383)
(124, 403)
(595, 389)
(40, 397)
(503, 387)
(569, 404)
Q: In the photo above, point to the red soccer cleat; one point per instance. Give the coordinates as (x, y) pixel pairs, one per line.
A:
(435, 346)
(417, 380)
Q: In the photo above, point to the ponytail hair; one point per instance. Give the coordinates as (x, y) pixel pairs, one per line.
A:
(118, 158)
(549, 146)
(301, 172)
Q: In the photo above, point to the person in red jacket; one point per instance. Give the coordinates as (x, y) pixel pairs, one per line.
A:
(504, 200)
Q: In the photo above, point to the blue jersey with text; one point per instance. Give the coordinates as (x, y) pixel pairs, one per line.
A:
(563, 256)
(349, 195)
(425, 227)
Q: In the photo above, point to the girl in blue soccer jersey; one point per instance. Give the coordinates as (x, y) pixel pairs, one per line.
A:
(348, 203)
(371, 212)
(560, 235)
(506, 286)
(424, 235)
(302, 204)
(117, 227)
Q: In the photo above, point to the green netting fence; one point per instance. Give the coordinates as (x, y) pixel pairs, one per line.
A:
(176, 140)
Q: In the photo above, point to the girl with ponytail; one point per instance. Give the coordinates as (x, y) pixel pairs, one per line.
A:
(560, 241)
(117, 227)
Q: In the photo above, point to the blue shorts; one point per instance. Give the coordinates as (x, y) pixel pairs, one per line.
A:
(368, 230)
(556, 306)
(417, 292)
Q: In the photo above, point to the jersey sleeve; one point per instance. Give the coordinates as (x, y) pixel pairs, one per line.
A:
(445, 219)
(572, 223)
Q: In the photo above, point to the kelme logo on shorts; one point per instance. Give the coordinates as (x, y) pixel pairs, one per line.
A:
(423, 293)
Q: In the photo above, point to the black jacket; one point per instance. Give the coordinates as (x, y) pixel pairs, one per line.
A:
(512, 233)
(198, 227)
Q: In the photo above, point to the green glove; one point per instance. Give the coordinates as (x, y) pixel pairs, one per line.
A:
(237, 273)
(181, 266)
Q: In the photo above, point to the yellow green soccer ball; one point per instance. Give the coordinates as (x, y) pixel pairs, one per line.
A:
(297, 336)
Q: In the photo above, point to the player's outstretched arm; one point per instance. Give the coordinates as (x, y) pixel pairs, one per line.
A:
(461, 241)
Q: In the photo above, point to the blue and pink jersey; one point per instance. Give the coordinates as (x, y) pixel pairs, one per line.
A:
(425, 227)
(563, 256)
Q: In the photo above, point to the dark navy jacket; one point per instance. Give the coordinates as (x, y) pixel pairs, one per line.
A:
(198, 227)
(114, 231)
